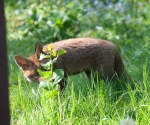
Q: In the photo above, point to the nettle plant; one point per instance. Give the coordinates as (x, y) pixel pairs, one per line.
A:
(51, 77)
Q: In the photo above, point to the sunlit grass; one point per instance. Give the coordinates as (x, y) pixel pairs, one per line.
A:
(79, 103)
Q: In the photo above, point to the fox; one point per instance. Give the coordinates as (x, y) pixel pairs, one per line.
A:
(82, 55)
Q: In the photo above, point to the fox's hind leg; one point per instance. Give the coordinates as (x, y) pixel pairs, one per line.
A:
(106, 72)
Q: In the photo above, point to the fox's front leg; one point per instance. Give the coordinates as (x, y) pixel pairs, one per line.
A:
(63, 82)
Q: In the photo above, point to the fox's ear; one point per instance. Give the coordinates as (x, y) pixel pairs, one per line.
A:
(22, 62)
(38, 50)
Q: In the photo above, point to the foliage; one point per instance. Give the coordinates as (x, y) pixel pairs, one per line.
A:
(45, 22)
(51, 77)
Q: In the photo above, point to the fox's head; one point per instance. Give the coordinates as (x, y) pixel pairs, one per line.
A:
(29, 65)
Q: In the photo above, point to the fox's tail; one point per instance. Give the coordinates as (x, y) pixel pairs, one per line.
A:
(119, 66)
(120, 70)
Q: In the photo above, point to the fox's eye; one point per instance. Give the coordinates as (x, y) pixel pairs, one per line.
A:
(36, 75)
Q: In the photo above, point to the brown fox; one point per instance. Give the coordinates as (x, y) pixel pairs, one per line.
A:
(82, 54)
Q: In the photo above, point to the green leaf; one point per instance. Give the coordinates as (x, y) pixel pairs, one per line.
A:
(61, 52)
(47, 65)
(53, 89)
(44, 84)
(55, 60)
(58, 75)
(45, 74)
(59, 23)
(70, 4)
(43, 56)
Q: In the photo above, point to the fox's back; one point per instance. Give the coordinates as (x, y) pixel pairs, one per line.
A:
(84, 53)
(82, 43)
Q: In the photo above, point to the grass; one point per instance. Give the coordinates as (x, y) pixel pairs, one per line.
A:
(102, 106)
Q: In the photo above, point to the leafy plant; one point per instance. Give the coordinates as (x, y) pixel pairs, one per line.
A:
(46, 21)
(50, 77)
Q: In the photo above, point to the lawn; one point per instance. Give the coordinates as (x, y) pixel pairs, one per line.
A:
(80, 104)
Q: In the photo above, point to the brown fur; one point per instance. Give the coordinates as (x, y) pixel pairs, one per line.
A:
(83, 54)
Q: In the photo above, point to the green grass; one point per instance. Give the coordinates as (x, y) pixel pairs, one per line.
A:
(103, 106)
